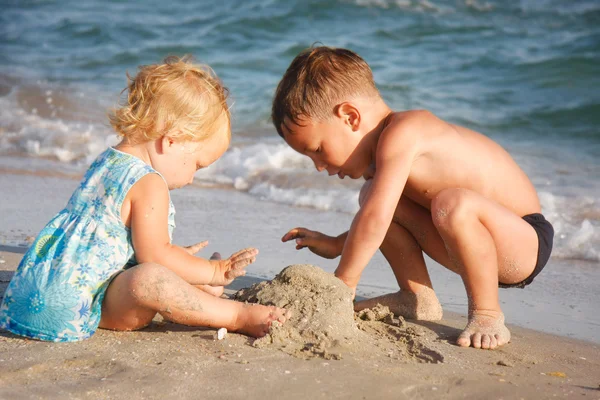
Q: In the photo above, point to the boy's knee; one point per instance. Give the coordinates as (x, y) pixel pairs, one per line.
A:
(364, 191)
(450, 208)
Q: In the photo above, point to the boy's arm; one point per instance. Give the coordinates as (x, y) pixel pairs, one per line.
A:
(322, 245)
(396, 151)
(149, 228)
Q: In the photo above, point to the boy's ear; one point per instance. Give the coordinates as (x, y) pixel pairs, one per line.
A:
(350, 114)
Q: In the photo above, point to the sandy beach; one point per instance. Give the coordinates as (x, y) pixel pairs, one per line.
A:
(174, 361)
(167, 360)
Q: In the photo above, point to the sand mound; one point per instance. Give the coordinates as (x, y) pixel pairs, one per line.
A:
(323, 321)
(323, 316)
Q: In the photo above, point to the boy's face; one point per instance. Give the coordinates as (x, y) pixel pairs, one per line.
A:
(332, 145)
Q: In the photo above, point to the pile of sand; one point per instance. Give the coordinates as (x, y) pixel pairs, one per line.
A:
(322, 313)
(323, 322)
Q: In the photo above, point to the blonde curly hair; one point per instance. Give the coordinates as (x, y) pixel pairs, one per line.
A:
(178, 98)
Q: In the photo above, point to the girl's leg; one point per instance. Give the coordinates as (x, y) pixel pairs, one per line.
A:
(137, 294)
(487, 243)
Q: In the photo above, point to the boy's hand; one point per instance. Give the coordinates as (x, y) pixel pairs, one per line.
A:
(322, 245)
(227, 270)
(193, 249)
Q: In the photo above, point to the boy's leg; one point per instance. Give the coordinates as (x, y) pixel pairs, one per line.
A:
(487, 243)
(411, 233)
(137, 294)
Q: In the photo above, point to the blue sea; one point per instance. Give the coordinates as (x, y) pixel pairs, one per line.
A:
(526, 73)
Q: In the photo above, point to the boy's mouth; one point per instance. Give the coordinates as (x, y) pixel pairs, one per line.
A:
(340, 174)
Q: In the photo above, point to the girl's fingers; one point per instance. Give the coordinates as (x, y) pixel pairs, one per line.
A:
(234, 273)
(242, 263)
(193, 249)
(244, 253)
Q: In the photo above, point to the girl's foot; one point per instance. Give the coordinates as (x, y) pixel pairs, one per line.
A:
(255, 319)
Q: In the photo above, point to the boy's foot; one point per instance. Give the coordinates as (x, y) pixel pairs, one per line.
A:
(255, 319)
(423, 306)
(485, 330)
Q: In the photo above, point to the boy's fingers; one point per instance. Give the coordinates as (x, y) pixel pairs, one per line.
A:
(306, 242)
(293, 234)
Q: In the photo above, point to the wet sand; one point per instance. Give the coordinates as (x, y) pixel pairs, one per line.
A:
(173, 361)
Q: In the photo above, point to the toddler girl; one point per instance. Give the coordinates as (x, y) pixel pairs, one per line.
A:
(107, 259)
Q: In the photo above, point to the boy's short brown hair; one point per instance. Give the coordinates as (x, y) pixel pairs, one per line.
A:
(317, 80)
(178, 97)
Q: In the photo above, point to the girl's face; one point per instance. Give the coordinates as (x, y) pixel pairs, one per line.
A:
(179, 160)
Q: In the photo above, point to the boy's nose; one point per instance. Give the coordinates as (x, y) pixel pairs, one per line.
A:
(320, 166)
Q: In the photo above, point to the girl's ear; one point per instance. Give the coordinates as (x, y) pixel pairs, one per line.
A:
(168, 144)
(350, 115)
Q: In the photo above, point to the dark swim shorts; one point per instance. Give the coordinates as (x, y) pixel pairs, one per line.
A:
(545, 234)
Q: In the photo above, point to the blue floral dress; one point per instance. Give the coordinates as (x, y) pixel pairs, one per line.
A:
(57, 291)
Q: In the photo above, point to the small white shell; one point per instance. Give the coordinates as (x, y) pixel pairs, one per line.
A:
(221, 333)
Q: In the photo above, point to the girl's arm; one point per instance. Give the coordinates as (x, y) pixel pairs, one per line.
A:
(148, 203)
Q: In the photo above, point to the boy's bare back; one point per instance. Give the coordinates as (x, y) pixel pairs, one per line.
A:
(451, 156)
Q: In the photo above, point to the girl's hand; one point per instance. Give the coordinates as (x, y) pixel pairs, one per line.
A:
(322, 245)
(193, 249)
(227, 270)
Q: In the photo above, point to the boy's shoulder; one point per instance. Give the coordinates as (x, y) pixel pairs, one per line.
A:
(413, 118)
(408, 128)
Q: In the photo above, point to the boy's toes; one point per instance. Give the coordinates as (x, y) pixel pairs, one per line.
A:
(464, 340)
(476, 340)
(493, 342)
(486, 341)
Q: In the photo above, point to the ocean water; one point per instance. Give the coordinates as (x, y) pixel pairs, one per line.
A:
(526, 73)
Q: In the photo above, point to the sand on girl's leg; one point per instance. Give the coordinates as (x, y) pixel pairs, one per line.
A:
(151, 288)
(423, 306)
